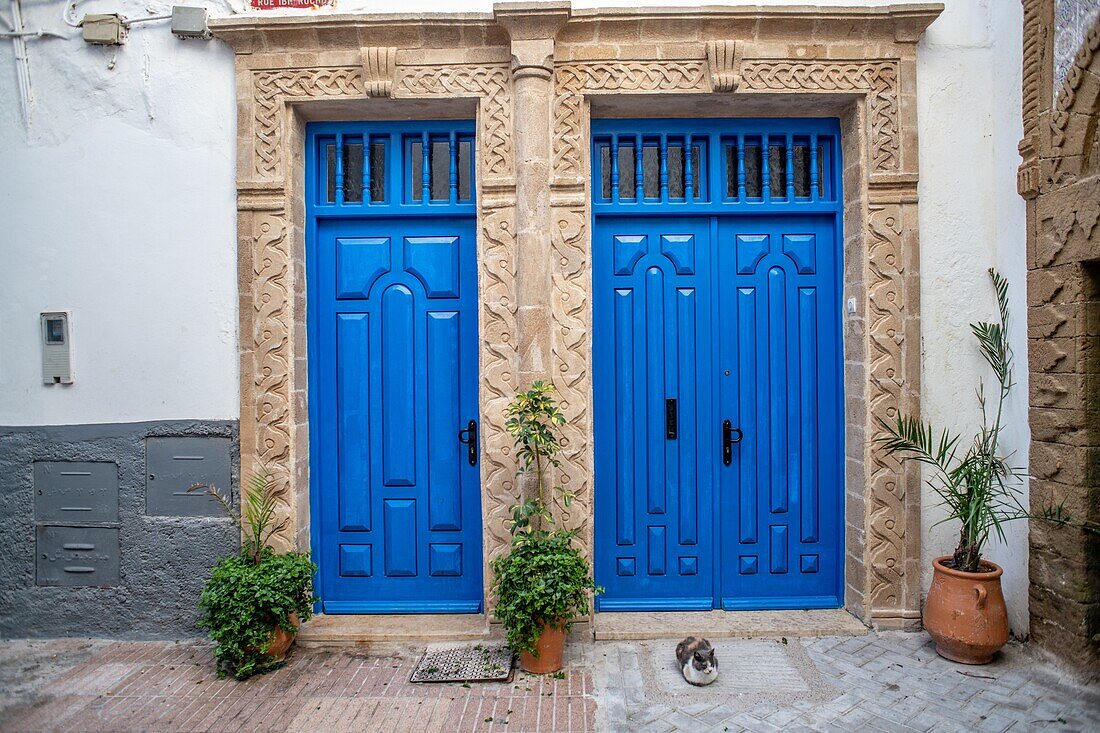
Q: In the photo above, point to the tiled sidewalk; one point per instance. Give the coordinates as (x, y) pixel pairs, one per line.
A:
(876, 682)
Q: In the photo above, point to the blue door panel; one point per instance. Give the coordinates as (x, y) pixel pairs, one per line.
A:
(778, 279)
(396, 380)
(708, 306)
(652, 296)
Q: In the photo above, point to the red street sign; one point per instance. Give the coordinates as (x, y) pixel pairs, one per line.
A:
(278, 4)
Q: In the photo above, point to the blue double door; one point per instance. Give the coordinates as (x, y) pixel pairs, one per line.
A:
(395, 379)
(717, 406)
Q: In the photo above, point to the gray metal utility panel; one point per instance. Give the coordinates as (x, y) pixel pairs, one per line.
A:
(172, 465)
(76, 492)
(74, 556)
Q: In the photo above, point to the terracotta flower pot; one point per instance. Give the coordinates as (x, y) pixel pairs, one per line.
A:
(550, 646)
(281, 639)
(965, 613)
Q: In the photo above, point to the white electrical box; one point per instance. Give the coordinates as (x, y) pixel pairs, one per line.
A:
(57, 348)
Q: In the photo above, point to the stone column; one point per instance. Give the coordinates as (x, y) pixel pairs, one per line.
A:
(532, 28)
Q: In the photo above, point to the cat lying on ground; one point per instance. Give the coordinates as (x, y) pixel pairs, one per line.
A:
(697, 661)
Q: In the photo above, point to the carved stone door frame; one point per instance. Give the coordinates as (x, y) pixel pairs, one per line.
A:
(855, 63)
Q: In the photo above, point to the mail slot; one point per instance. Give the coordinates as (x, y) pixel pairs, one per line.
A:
(75, 556)
(172, 465)
(75, 492)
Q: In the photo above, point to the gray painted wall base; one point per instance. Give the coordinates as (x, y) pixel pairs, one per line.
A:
(164, 560)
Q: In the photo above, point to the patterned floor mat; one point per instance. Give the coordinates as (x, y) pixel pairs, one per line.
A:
(477, 663)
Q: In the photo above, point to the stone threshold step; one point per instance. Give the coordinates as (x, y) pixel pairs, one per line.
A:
(350, 630)
(718, 624)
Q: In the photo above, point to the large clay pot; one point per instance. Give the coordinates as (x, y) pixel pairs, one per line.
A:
(550, 646)
(965, 613)
(281, 639)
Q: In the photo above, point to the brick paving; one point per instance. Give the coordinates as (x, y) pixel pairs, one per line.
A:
(877, 682)
(160, 686)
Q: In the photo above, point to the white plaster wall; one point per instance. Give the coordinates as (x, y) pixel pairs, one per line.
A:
(971, 218)
(118, 204)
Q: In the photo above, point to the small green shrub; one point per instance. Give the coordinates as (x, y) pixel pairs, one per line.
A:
(977, 486)
(543, 579)
(244, 600)
(250, 593)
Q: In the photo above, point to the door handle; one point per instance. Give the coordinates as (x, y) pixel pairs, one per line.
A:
(468, 437)
(730, 435)
(670, 419)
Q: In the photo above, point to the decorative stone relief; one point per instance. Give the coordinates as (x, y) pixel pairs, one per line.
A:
(1066, 100)
(877, 79)
(724, 61)
(271, 318)
(572, 81)
(271, 89)
(1060, 178)
(886, 491)
(378, 70)
(489, 82)
(1072, 20)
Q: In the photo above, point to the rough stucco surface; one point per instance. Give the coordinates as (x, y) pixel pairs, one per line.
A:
(968, 90)
(164, 560)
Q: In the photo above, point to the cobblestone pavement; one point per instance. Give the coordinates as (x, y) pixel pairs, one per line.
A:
(877, 682)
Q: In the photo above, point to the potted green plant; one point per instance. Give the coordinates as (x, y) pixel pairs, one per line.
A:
(544, 582)
(965, 611)
(255, 601)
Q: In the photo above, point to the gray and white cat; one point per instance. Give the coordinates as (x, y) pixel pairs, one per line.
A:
(697, 661)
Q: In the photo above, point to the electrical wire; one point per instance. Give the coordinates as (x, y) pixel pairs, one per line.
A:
(68, 20)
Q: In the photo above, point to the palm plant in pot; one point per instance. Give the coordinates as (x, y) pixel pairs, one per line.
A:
(544, 582)
(255, 601)
(965, 609)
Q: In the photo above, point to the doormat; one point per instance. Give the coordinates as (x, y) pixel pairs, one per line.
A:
(477, 663)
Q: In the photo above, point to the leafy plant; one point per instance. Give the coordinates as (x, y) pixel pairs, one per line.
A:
(544, 579)
(978, 486)
(251, 593)
(533, 417)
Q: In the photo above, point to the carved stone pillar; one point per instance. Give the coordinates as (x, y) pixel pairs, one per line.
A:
(532, 28)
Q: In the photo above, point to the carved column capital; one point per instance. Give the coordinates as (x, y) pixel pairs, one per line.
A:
(379, 70)
(532, 28)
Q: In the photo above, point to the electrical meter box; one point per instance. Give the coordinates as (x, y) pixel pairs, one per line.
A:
(57, 348)
(103, 29)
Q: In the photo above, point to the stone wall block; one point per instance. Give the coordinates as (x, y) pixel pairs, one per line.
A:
(1066, 464)
(1052, 354)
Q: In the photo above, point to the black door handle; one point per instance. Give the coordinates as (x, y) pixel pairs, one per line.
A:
(469, 438)
(728, 439)
(670, 418)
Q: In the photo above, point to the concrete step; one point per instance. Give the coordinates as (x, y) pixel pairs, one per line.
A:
(718, 624)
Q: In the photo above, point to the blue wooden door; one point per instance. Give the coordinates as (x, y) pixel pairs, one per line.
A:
(653, 300)
(780, 387)
(717, 352)
(393, 392)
